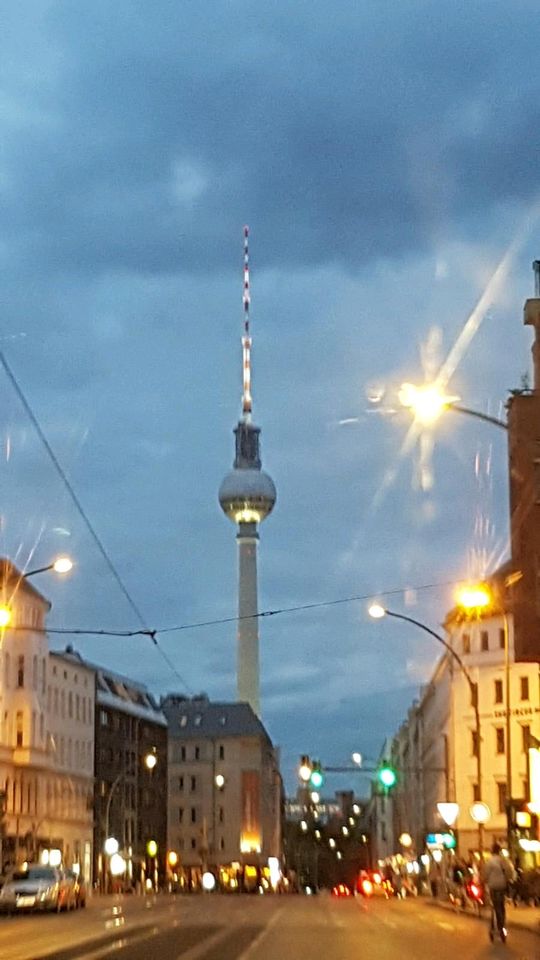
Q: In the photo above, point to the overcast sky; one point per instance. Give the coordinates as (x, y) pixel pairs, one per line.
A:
(385, 156)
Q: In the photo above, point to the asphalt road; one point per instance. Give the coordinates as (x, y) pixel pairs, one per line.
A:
(259, 928)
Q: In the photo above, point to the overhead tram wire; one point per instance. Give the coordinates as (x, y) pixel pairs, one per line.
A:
(86, 520)
(262, 613)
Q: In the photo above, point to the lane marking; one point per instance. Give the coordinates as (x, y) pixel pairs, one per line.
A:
(255, 943)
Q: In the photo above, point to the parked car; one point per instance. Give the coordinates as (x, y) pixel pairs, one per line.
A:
(78, 888)
(35, 887)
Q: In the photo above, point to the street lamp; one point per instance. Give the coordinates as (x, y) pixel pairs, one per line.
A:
(428, 402)
(60, 565)
(377, 611)
(150, 760)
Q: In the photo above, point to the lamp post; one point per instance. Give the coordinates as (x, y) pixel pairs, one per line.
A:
(377, 611)
(150, 760)
(480, 597)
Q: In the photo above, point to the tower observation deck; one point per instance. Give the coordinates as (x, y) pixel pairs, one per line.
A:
(247, 495)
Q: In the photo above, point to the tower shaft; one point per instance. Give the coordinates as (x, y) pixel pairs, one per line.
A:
(248, 623)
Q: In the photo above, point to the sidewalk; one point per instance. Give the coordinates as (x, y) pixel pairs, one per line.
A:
(524, 918)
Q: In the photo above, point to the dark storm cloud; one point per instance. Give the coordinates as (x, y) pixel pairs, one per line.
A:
(346, 134)
(365, 144)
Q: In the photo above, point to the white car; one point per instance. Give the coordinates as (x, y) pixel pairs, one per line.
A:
(35, 887)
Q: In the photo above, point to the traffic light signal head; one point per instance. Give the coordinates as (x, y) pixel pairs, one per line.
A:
(317, 776)
(305, 768)
(387, 776)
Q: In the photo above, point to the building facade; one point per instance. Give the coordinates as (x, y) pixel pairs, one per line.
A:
(46, 737)
(225, 791)
(130, 794)
(436, 750)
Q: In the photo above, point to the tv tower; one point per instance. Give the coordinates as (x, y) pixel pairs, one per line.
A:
(247, 496)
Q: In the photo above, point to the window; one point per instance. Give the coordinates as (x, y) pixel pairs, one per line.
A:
(180, 783)
(197, 720)
(182, 753)
(180, 814)
(524, 688)
(484, 640)
(222, 843)
(475, 792)
(183, 720)
(70, 705)
(498, 691)
(104, 718)
(19, 728)
(221, 815)
(34, 673)
(474, 743)
(197, 753)
(194, 814)
(221, 752)
(502, 639)
(193, 843)
(20, 671)
(499, 739)
(193, 784)
(525, 740)
(501, 797)
(466, 641)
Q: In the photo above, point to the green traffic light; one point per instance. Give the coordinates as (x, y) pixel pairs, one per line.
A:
(387, 776)
(316, 779)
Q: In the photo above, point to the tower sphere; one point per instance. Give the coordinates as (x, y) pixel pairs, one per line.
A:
(247, 496)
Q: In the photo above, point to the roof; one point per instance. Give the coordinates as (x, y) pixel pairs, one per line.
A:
(200, 717)
(118, 692)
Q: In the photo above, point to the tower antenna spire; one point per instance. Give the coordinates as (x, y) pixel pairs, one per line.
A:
(246, 339)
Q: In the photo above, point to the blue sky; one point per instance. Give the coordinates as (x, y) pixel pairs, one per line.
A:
(385, 158)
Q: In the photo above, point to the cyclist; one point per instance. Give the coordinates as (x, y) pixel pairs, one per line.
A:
(498, 873)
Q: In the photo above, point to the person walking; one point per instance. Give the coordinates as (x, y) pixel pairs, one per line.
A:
(498, 873)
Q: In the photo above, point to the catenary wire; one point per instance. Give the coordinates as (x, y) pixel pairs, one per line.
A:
(222, 620)
(87, 522)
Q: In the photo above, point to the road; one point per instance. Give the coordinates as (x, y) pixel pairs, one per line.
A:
(259, 928)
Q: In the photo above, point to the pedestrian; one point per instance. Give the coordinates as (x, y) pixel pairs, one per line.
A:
(497, 875)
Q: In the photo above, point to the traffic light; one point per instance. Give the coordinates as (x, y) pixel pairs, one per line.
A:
(387, 776)
(305, 768)
(317, 776)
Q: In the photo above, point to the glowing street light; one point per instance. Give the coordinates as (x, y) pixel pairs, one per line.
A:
(5, 616)
(150, 760)
(474, 596)
(357, 758)
(60, 565)
(426, 402)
